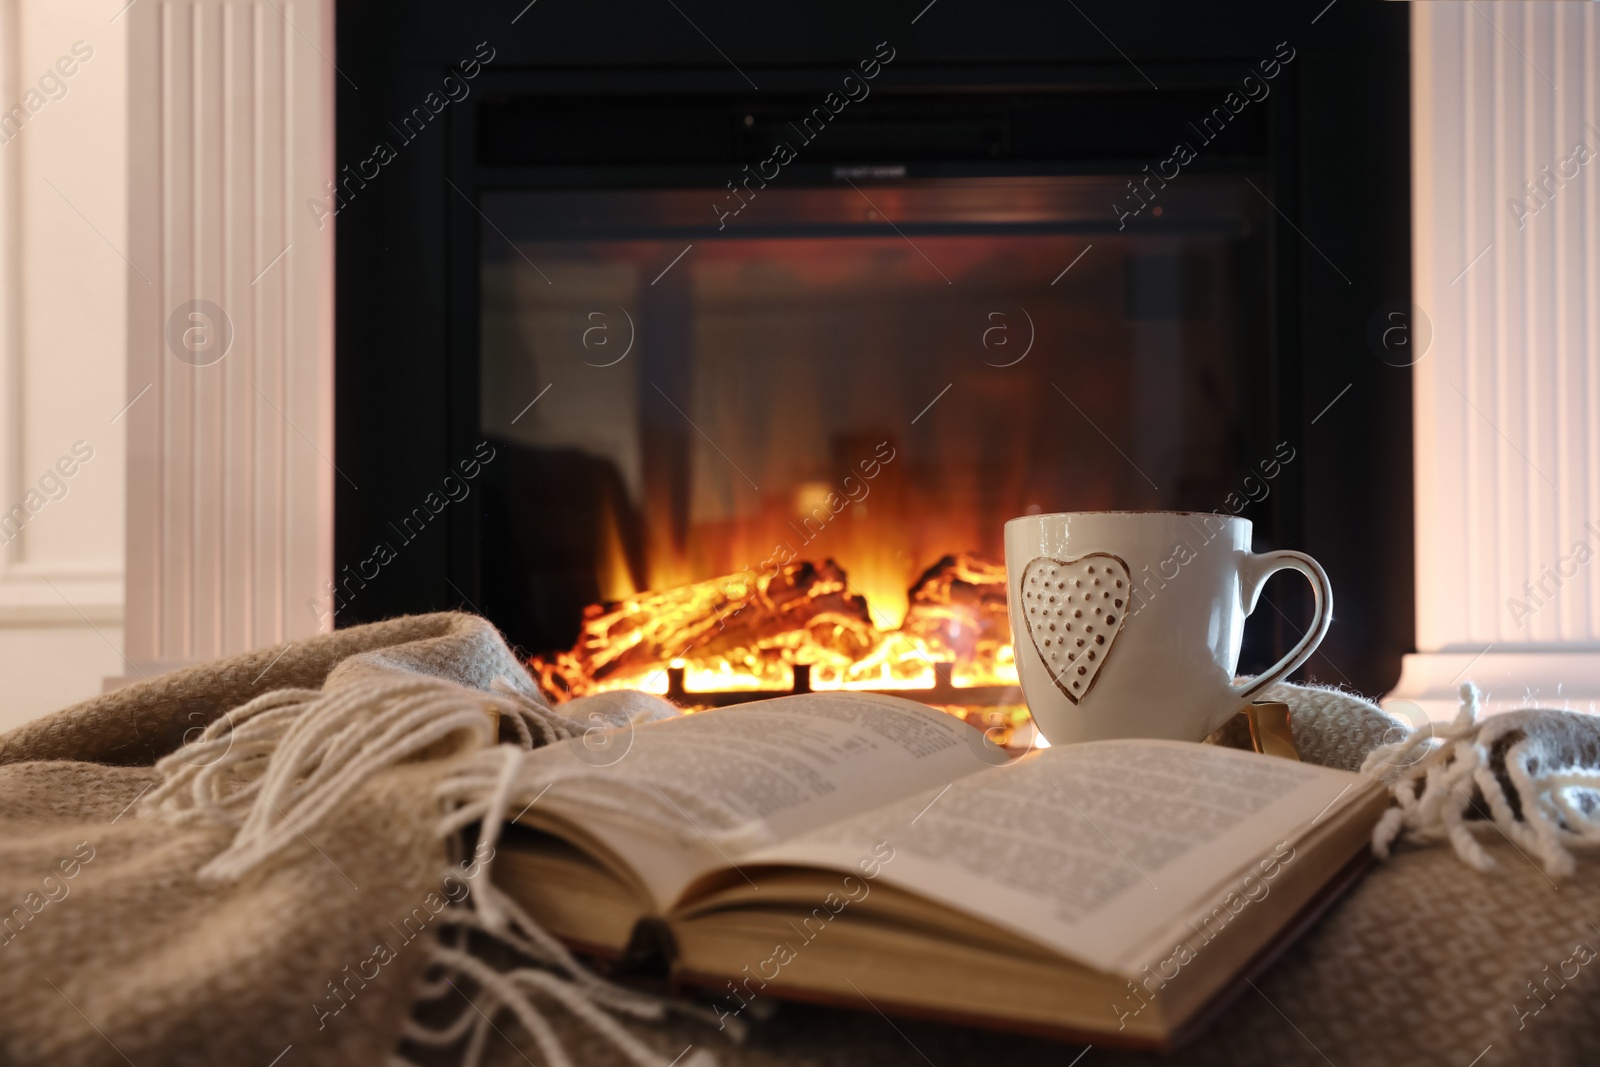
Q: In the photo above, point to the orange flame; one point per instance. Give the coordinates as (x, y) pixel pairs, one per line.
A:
(744, 632)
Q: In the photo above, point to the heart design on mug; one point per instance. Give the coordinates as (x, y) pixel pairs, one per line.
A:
(1074, 611)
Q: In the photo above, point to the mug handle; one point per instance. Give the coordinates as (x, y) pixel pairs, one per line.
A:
(1253, 573)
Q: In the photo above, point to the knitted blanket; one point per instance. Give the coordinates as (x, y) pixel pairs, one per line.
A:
(277, 888)
(283, 858)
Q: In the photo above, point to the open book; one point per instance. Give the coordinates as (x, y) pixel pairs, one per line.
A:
(872, 852)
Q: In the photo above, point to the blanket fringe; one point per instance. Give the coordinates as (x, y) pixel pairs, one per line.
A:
(275, 768)
(1432, 773)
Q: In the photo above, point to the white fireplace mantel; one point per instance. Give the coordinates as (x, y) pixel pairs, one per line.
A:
(230, 454)
(1507, 398)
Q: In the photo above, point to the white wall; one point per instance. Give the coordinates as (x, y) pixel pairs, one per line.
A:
(63, 302)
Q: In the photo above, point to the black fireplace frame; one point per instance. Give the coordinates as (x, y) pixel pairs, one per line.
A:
(1336, 148)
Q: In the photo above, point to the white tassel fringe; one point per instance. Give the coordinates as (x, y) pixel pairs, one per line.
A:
(277, 767)
(1449, 761)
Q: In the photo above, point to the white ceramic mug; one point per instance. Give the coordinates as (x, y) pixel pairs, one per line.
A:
(1128, 623)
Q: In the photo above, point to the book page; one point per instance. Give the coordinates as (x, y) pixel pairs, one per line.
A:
(681, 797)
(1095, 850)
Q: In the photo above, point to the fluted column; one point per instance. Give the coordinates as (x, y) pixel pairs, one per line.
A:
(230, 350)
(1506, 200)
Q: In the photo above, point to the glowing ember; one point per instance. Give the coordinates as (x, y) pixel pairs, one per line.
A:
(958, 612)
(748, 632)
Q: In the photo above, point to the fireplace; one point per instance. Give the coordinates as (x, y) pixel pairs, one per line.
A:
(744, 421)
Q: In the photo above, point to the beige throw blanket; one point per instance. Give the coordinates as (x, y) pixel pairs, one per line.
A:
(277, 860)
(279, 886)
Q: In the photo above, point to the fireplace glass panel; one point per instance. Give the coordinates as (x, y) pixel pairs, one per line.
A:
(877, 375)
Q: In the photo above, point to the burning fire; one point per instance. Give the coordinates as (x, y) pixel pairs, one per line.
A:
(748, 632)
